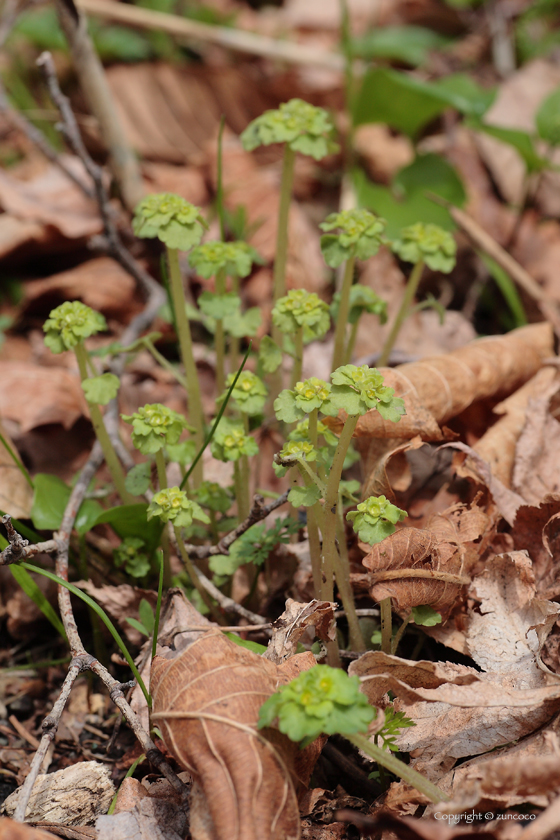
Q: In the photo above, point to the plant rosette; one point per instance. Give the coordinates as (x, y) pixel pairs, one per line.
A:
(293, 405)
(69, 324)
(357, 390)
(301, 432)
(292, 452)
(155, 426)
(301, 309)
(230, 441)
(235, 258)
(427, 243)
(172, 505)
(361, 236)
(375, 519)
(249, 394)
(303, 127)
(362, 300)
(170, 218)
(320, 700)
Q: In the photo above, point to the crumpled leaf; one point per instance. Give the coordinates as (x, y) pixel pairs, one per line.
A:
(206, 703)
(288, 628)
(536, 530)
(428, 566)
(472, 712)
(34, 396)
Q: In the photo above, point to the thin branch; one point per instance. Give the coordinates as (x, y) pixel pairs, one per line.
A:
(19, 549)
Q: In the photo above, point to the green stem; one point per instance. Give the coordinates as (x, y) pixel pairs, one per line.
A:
(162, 481)
(233, 341)
(281, 258)
(403, 312)
(241, 492)
(315, 546)
(192, 573)
(399, 768)
(298, 357)
(400, 633)
(196, 412)
(355, 634)
(219, 338)
(386, 624)
(343, 312)
(165, 363)
(220, 183)
(111, 459)
(305, 469)
(158, 602)
(331, 505)
(348, 353)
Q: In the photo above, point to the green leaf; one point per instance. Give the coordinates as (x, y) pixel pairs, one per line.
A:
(432, 173)
(408, 44)
(219, 306)
(521, 141)
(146, 614)
(304, 496)
(138, 626)
(547, 119)
(137, 480)
(246, 643)
(118, 43)
(224, 564)
(508, 289)
(101, 389)
(243, 324)
(425, 616)
(49, 503)
(270, 355)
(285, 407)
(130, 521)
(33, 591)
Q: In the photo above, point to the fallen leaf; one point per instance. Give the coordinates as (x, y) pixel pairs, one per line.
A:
(382, 153)
(52, 199)
(535, 529)
(429, 566)
(16, 494)
(100, 283)
(537, 454)
(473, 712)
(34, 396)
(10, 830)
(288, 628)
(206, 703)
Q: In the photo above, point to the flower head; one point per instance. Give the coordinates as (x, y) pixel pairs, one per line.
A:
(213, 496)
(361, 235)
(359, 389)
(302, 126)
(375, 519)
(172, 505)
(69, 324)
(301, 309)
(250, 392)
(236, 258)
(295, 450)
(430, 243)
(362, 299)
(171, 219)
(292, 405)
(322, 699)
(230, 441)
(155, 426)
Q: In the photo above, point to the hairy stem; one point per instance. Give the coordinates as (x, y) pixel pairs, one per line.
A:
(403, 312)
(196, 412)
(394, 765)
(241, 491)
(111, 459)
(348, 353)
(343, 312)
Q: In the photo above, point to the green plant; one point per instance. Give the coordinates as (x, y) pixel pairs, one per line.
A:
(422, 245)
(326, 700)
(362, 300)
(254, 546)
(179, 225)
(65, 329)
(304, 317)
(232, 443)
(360, 237)
(303, 128)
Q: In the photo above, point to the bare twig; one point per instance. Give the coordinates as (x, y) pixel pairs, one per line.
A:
(19, 549)
(93, 83)
(234, 39)
(259, 511)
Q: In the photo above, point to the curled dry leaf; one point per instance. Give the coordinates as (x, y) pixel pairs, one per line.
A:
(288, 628)
(10, 830)
(34, 396)
(438, 388)
(428, 566)
(473, 712)
(536, 529)
(206, 703)
(537, 455)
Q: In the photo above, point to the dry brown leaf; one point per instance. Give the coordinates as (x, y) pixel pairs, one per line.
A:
(537, 455)
(16, 494)
(385, 465)
(52, 199)
(535, 530)
(33, 396)
(382, 152)
(17, 234)
(497, 445)
(475, 467)
(10, 830)
(288, 628)
(100, 283)
(206, 704)
(476, 711)
(430, 566)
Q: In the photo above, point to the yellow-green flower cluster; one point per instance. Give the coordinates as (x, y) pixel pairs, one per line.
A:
(155, 426)
(361, 235)
(236, 258)
(375, 519)
(430, 243)
(69, 324)
(230, 441)
(172, 505)
(249, 394)
(301, 309)
(171, 219)
(302, 126)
